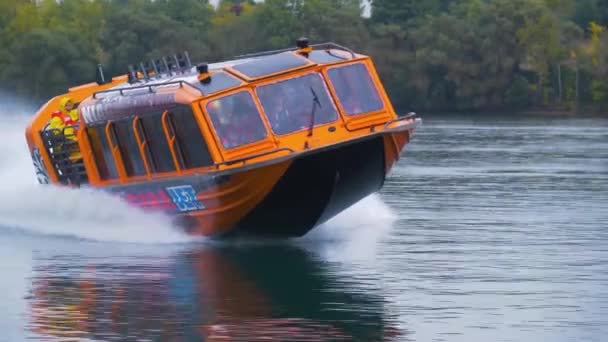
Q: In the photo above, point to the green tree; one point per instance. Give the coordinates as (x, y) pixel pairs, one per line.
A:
(46, 62)
(130, 37)
(401, 12)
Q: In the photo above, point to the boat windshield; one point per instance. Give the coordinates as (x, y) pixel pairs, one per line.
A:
(355, 89)
(288, 104)
(236, 119)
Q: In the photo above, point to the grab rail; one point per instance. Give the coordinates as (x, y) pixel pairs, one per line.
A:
(244, 159)
(149, 86)
(409, 115)
(326, 45)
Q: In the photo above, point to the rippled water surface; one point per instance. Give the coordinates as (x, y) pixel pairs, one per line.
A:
(488, 229)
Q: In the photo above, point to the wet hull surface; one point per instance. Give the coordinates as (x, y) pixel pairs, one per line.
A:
(315, 188)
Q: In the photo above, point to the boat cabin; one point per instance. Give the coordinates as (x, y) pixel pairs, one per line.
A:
(168, 119)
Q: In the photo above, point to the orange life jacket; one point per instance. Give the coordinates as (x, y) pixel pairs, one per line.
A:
(65, 118)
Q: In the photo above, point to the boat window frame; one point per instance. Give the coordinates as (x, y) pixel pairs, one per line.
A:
(178, 160)
(142, 143)
(178, 153)
(115, 150)
(132, 176)
(215, 134)
(100, 131)
(171, 136)
(153, 167)
(330, 95)
(374, 81)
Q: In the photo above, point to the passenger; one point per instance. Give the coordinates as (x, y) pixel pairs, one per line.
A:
(279, 114)
(223, 120)
(237, 121)
(65, 120)
(249, 124)
(230, 136)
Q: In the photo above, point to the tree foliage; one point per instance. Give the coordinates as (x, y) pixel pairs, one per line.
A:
(431, 55)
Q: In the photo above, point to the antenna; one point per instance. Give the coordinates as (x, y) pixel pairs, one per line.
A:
(167, 69)
(100, 78)
(132, 77)
(155, 68)
(188, 63)
(144, 72)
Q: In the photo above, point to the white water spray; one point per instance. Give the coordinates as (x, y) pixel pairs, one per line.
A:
(60, 211)
(355, 233)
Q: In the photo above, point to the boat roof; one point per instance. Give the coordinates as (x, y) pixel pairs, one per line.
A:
(159, 89)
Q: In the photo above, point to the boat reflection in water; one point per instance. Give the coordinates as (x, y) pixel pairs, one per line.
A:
(263, 292)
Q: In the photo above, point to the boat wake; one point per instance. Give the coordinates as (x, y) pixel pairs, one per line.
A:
(355, 233)
(28, 206)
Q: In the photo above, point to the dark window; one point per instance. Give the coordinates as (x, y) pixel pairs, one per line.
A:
(190, 146)
(219, 81)
(102, 152)
(326, 56)
(129, 149)
(160, 158)
(270, 64)
(236, 119)
(291, 105)
(355, 89)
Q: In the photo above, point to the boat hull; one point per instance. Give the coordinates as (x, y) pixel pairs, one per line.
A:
(282, 198)
(316, 187)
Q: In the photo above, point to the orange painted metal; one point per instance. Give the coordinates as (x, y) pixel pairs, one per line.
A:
(225, 205)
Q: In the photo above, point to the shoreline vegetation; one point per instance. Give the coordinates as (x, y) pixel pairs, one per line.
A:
(546, 57)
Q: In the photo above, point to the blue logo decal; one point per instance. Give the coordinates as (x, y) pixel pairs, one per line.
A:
(184, 198)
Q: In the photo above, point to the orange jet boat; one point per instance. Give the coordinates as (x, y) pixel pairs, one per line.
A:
(268, 144)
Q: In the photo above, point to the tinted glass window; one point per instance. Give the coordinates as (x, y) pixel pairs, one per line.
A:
(355, 89)
(129, 150)
(219, 81)
(190, 146)
(102, 152)
(270, 64)
(160, 158)
(295, 104)
(236, 119)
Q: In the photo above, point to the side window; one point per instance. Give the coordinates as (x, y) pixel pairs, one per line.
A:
(296, 103)
(236, 119)
(129, 150)
(190, 145)
(355, 89)
(102, 152)
(159, 158)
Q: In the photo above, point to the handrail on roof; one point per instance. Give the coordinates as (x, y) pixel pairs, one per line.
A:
(149, 86)
(327, 45)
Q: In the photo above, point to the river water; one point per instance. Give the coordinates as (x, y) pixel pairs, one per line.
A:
(488, 229)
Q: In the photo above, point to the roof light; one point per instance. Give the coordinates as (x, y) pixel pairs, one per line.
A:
(303, 46)
(203, 73)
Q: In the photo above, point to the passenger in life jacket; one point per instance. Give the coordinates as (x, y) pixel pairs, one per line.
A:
(65, 119)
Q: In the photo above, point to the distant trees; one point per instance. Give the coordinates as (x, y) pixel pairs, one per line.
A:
(432, 55)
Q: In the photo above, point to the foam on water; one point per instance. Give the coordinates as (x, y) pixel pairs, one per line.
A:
(79, 213)
(355, 233)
